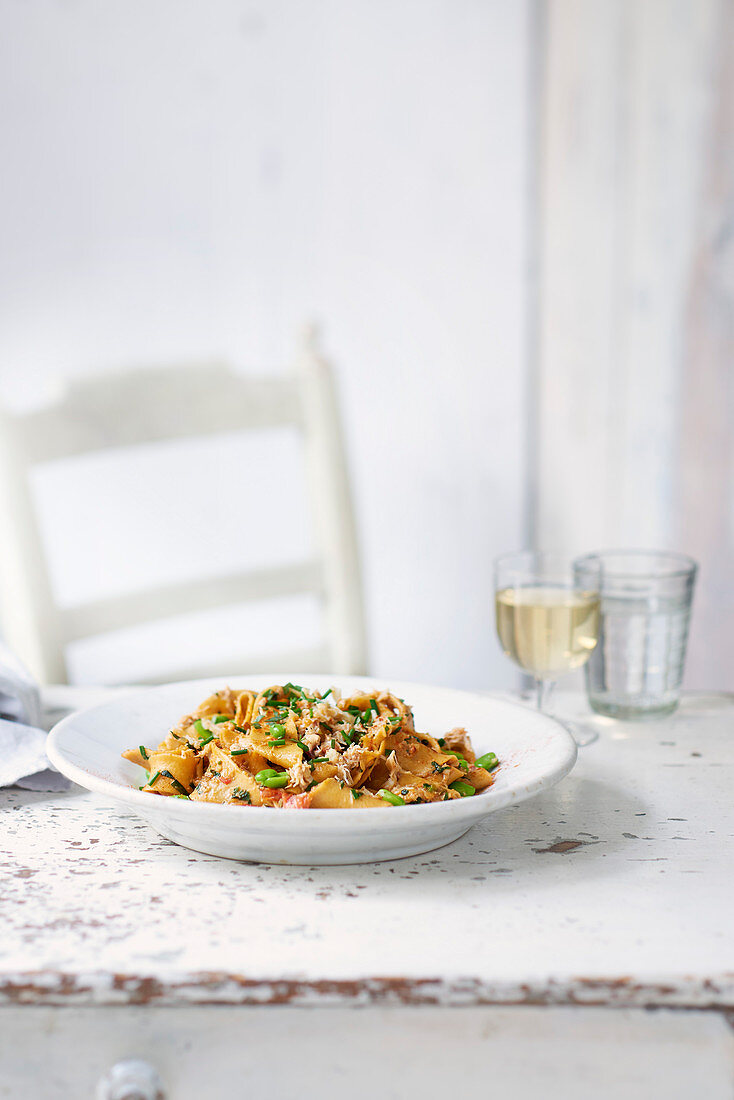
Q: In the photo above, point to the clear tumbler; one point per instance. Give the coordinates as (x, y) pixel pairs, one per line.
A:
(636, 669)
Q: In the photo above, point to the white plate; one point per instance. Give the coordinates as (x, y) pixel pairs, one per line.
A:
(534, 751)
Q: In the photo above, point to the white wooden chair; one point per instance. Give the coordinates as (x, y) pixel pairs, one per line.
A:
(144, 406)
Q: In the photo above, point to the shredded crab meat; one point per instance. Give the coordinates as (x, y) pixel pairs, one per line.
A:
(394, 770)
(299, 776)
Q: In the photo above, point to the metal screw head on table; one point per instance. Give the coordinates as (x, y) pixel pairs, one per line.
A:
(131, 1079)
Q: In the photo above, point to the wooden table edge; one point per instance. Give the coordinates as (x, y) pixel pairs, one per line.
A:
(48, 987)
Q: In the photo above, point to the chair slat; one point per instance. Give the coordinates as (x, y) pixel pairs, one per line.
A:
(121, 612)
(132, 410)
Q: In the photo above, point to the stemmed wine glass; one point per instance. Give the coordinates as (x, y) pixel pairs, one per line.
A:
(548, 618)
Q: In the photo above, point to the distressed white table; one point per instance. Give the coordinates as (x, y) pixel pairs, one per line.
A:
(578, 944)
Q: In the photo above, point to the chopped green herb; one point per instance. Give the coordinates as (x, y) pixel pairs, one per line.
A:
(179, 786)
(240, 729)
(302, 746)
(319, 760)
(152, 781)
(237, 752)
(206, 740)
(241, 794)
(356, 794)
(442, 741)
(277, 741)
(143, 752)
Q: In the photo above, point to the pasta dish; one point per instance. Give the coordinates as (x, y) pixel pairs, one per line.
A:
(290, 747)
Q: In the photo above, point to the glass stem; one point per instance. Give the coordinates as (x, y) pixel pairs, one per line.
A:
(543, 692)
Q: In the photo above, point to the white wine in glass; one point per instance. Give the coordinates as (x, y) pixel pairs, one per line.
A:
(547, 630)
(547, 618)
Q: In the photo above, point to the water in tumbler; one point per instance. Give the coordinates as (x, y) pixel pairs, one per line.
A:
(637, 666)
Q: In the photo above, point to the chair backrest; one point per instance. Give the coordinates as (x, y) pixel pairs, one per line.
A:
(144, 406)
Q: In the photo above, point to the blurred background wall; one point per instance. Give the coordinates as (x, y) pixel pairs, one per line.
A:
(513, 220)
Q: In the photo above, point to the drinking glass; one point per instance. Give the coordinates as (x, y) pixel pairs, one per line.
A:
(637, 668)
(547, 618)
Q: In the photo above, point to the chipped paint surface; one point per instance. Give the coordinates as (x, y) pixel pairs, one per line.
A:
(613, 888)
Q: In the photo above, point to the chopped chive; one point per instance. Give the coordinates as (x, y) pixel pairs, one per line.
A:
(373, 706)
(152, 781)
(333, 743)
(240, 729)
(302, 746)
(237, 752)
(143, 752)
(311, 784)
(356, 794)
(179, 786)
(277, 741)
(206, 740)
(325, 694)
(319, 760)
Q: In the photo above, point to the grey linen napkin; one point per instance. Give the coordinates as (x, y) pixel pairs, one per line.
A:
(23, 760)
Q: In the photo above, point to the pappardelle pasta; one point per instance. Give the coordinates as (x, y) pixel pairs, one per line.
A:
(291, 747)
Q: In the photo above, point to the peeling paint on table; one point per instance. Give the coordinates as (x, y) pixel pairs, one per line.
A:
(614, 888)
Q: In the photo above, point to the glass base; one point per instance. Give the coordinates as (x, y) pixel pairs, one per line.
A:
(631, 713)
(581, 733)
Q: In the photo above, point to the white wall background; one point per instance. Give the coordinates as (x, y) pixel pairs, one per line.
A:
(188, 181)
